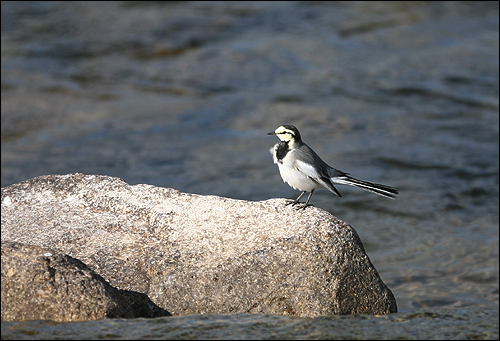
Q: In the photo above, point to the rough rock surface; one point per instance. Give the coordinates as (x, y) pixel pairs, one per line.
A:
(43, 284)
(199, 254)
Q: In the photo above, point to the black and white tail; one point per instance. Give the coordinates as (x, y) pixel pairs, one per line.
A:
(383, 190)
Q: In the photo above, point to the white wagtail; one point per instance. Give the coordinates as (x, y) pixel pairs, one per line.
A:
(303, 169)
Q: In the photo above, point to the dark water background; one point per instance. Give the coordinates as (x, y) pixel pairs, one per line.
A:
(182, 94)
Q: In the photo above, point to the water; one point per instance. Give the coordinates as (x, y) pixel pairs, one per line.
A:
(182, 95)
(419, 325)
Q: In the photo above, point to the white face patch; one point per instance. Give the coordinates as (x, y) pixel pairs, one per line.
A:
(285, 137)
(284, 134)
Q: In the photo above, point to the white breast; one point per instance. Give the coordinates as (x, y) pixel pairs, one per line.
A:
(291, 174)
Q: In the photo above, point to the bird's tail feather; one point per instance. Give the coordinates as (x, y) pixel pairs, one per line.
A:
(383, 190)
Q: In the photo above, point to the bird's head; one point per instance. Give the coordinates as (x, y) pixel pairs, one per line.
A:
(287, 133)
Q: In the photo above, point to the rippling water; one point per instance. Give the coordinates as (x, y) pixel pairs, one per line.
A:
(419, 325)
(182, 95)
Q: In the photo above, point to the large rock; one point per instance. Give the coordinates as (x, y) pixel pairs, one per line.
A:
(43, 284)
(199, 254)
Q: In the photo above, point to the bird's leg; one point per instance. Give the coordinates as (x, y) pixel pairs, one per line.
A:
(308, 198)
(307, 201)
(296, 201)
(302, 206)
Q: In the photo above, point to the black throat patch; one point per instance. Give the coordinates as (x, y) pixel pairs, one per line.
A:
(282, 150)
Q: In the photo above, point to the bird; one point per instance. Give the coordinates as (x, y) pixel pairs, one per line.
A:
(302, 169)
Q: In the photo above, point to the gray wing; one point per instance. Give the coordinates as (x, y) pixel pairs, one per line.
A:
(310, 164)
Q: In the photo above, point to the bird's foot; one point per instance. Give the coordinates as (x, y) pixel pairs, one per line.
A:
(298, 205)
(301, 206)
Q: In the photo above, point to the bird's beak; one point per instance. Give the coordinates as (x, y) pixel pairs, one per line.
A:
(271, 133)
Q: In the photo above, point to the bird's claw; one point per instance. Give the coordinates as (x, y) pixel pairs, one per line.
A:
(298, 205)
